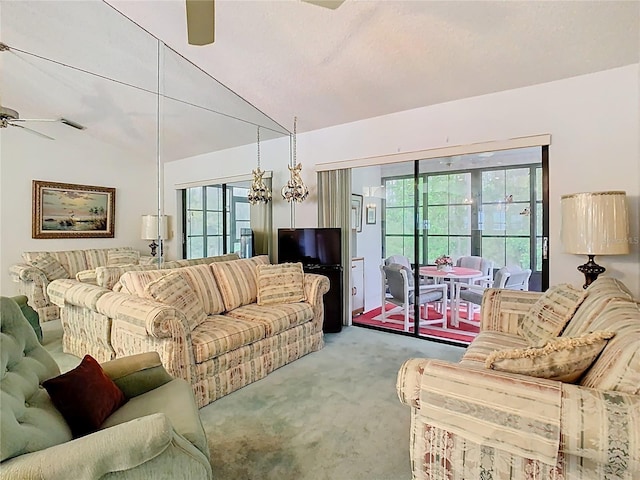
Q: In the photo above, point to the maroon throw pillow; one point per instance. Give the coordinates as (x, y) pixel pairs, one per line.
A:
(85, 396)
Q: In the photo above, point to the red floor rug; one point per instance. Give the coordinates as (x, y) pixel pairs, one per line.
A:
(464, 333)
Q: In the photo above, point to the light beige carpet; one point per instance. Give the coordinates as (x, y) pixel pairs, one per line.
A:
(332, 414)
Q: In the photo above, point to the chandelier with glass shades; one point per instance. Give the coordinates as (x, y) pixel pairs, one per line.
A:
(259, 192)
(295, 190)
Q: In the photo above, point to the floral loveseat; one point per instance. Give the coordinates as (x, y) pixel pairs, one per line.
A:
(488, 417)
(219, 326)
(40, 268)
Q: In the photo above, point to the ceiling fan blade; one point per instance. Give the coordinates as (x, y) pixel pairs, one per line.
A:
(332, 4)
(200, 21)
(32, 131)
(62, 120)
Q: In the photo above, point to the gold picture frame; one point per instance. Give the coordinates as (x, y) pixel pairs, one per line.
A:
(66, 210)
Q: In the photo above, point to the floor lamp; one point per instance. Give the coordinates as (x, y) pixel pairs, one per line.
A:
(595, 223)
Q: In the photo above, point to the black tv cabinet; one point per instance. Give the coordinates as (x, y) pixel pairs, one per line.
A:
(333, 299)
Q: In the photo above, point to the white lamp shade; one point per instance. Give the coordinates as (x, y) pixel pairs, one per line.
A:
(595, 223)
(149, 230)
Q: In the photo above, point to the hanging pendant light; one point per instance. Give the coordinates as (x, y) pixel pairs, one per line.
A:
(259, 192)
(295, 190)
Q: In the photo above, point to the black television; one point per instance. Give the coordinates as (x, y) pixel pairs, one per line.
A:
(311, 246)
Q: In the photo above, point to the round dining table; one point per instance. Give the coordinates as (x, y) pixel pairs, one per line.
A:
(455, 276)
(456, 273)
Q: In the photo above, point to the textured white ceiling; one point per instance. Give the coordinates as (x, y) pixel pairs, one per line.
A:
(370, 58)
(288, 58)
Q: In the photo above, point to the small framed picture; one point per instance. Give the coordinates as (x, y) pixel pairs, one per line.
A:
(356, 212)
(371, 214)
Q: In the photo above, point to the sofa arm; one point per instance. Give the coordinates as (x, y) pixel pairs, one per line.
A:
(137, 374)
(27, 273)
(409, 379)
(315, 286)
(115, 449)
(32, 283)
(74, 292)
(514, 413)
(603, 426)
(502, 309)
(147, 317)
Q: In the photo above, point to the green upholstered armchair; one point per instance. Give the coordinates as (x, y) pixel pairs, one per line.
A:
(30, 314)
(156, 434)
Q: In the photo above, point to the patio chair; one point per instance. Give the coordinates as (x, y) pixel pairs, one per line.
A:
(511, 278)
(400, 281)
(478, 263)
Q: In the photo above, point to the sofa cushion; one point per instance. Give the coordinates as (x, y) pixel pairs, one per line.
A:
(599, 294)
(237, 280)
(73, 261)
(30, 422)
(564, 359)
(489, 341)
(97, 257)
(203, 283)
(282, 283)
(276, 318)
(107, 276)
(618, 366)
(51, 267)
(85, 396)
(87, 276)
(135, 278)
(122, 257)
(188, 262)
(549, 315)
(172, 289)
(175, 400)
(220, 334)
(134, 282)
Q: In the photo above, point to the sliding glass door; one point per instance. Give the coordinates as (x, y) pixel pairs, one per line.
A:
(490, 205)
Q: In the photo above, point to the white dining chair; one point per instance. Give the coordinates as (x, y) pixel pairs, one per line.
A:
(511, 278)
(400, 282)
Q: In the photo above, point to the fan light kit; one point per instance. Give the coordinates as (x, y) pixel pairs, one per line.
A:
(201, 16)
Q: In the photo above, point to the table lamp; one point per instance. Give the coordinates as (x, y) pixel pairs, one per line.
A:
(150, 231)
(595, 223)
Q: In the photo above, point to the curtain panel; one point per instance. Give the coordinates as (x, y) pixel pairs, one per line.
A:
(334, 210)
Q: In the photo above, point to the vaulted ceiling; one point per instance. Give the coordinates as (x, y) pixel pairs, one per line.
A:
(276, 59)
(370, 58)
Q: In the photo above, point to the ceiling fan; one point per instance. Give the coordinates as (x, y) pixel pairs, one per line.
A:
(11, 118)
(201, 18)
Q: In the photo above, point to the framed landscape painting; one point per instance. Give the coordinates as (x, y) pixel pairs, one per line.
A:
(65, 210)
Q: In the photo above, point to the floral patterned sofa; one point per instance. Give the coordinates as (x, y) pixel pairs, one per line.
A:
(550, 389)
(220, 326)
(40, 268)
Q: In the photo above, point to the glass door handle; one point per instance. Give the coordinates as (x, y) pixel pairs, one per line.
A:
(545, 248)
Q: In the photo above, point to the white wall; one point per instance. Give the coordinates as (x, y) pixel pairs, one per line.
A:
(594, 123)
(77, 159)
(368, 243)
